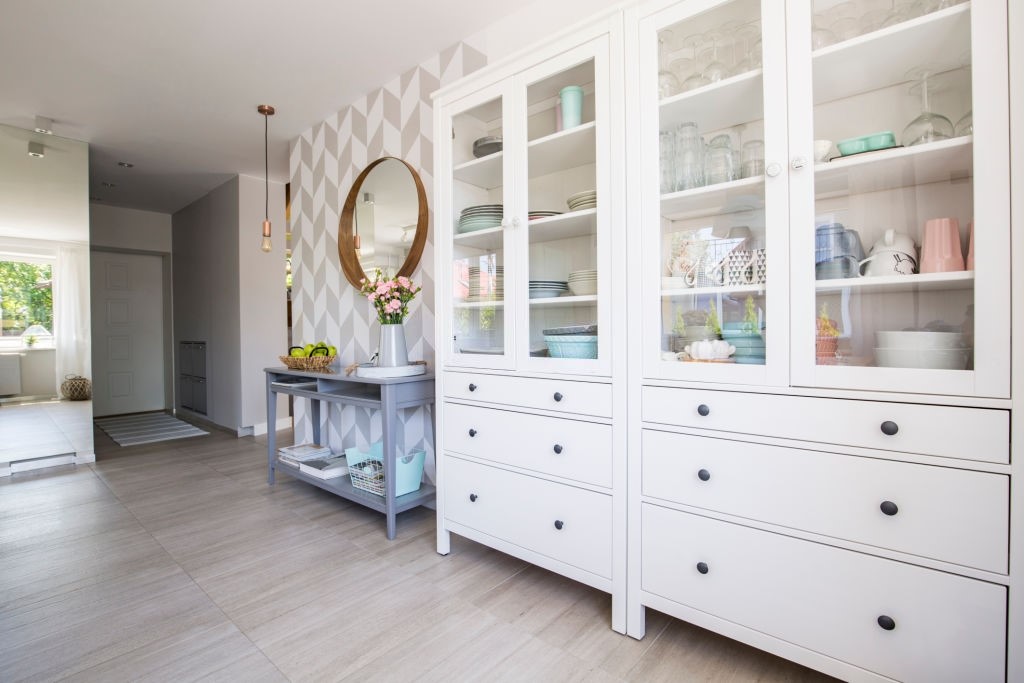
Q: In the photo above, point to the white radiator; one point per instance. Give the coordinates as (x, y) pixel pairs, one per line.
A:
(10, 374)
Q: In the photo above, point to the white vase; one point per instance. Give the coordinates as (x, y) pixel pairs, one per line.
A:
(392, 348)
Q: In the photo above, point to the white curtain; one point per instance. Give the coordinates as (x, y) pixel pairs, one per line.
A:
(71, 324)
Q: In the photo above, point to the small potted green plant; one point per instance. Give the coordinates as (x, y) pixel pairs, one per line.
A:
(31, 340)
(826, 343)
(714, 323)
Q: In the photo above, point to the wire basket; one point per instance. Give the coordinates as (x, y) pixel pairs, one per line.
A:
(76, 388)
(366, 470)
(307, 362)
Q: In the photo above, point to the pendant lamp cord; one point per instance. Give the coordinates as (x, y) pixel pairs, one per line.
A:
(266, 169)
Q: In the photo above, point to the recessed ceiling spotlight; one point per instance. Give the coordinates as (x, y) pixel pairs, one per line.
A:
(126, 164)
(44, 125)
(36, 149)
(108, 185)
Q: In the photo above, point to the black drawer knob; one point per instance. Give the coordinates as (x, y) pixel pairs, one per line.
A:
(557, 448)
(559, 524)
(703, 410)
(472, 387)
(473, 497)
(888, 507)
(703, 475)
(558, 396)
(472, 432)
(702, 567)
(889, 428)
(887, 622)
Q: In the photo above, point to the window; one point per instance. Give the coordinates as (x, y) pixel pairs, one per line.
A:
(26, 298)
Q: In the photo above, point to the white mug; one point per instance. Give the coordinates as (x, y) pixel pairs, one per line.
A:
(888, 262)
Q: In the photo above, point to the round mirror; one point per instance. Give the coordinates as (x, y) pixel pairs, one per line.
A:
(383, 224)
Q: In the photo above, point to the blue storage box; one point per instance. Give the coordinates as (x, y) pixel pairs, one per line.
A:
(571, 345)
(367, 470)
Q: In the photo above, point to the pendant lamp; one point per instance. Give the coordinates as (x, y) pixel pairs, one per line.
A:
(267, 111)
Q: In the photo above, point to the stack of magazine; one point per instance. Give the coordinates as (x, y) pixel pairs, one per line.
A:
(314, 460)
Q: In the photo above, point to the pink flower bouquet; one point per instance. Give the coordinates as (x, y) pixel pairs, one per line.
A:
(390, 297)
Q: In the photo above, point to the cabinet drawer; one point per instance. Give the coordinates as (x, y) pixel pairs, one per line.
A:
(527, 512)
(832, 601)
(947, 514)
(567, 396)
(576, 450)
(969, 433)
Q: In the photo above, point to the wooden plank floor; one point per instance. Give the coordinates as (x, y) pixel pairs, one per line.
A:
(176, 562)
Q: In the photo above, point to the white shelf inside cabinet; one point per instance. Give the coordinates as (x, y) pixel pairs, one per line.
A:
(564, 226)
(479, 304)
(925, 282)
(890, 169)
(726, 289)
(564, 301)
(484, 172)
(883, 58)
(728, 102)
(490, 239)
(735, 196)
(562, 150)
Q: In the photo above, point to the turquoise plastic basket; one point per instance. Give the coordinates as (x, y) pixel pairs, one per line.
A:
(366, 470)
(571, 345)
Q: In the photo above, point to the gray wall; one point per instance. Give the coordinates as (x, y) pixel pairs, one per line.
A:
(206, 301)
(129, 229)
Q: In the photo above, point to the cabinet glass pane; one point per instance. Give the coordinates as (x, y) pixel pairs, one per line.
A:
(714, 250)
(894, 190)
(478, 268)
(562, 214)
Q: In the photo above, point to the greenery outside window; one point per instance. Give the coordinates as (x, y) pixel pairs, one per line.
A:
(26, 299)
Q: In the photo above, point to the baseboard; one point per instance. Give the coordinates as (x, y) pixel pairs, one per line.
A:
(261, 428)
(85, 457)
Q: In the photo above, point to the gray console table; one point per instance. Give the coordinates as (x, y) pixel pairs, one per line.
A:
(386, 395)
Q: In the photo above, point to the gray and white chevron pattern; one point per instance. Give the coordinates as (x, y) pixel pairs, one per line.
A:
(393, 120)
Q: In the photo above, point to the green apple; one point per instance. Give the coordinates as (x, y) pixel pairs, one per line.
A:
(331, 351)
(308, 348)
(297, 352)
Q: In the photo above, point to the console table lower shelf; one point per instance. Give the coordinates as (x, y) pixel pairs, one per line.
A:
(388, 395)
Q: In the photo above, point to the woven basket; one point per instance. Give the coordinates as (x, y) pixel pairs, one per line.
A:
(76, 388)
(307, 363)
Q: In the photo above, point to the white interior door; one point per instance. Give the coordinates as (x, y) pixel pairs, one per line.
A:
(127, 333)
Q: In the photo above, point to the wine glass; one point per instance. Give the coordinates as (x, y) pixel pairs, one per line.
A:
(696, 79)
(715, 68)
(965, 126)
(668, 84)
(746, 35)
(928, 126)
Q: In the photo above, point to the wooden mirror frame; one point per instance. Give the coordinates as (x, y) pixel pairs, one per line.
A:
(346, 249)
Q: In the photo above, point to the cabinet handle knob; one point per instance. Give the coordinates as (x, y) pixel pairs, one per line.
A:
(472, 387)
(703, 475)
(702, 567)
(472, 432)
(887, 622)
(473, 497)
(889, 428)
(558, 396)
(559, 524)
(773, 169)
(798, 162)
(888, 507)
(558, 448)
(703, 410)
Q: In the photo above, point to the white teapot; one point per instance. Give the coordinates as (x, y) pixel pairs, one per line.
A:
(710, 349)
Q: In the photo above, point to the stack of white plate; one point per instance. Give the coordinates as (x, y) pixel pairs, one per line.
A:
(921, 349)
(534, 215)
(480, 217)
(583, 282)
(486, 286)
(582, 200)
(547, 289)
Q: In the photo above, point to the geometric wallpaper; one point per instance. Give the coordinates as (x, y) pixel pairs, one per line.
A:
(393, 120)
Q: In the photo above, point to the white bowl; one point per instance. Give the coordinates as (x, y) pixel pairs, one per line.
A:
(583, 288)
(932, 359)
(911, 339)
(822, 148)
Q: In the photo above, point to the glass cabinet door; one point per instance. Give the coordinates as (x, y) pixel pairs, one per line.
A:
(894, 289)
(480, 252)
(714, 196)
(562, 209)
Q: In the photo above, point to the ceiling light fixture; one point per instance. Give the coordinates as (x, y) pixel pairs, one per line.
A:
(36, 149)
(267, 111)
(125, 164)
(44, 125)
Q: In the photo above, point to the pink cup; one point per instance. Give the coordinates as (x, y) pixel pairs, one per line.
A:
(940, 247)
(970, 249)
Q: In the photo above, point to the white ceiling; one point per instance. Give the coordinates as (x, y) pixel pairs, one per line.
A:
(173, 86)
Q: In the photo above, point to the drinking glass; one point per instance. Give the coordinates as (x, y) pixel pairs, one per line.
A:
(667, 140)
(689, 157)
(719, 163)
(753, 159)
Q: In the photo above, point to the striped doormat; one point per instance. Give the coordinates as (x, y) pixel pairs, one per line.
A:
(132, 430)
